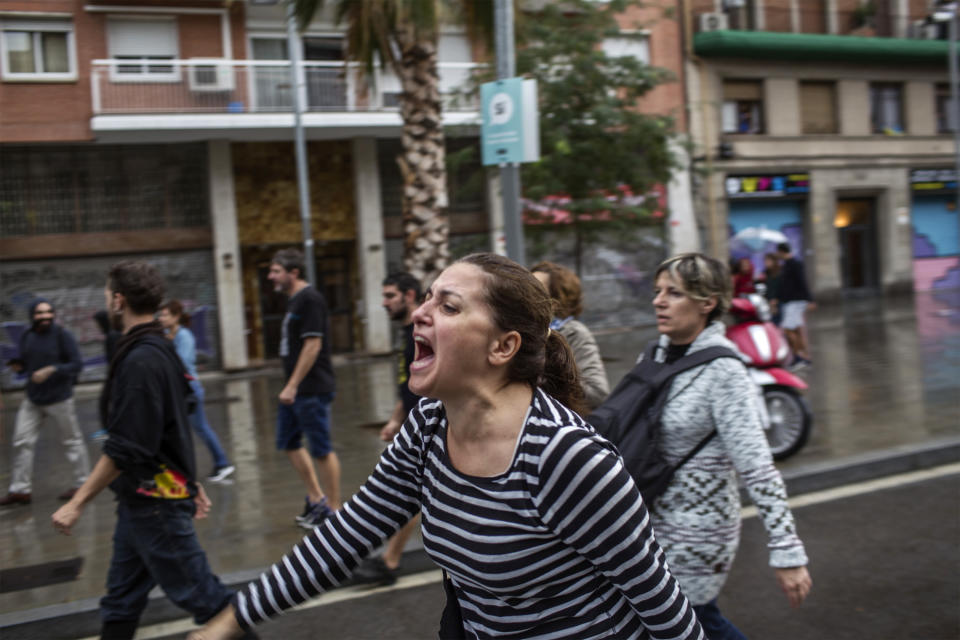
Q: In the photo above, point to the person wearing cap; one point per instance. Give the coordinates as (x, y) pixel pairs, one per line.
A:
(51, 361)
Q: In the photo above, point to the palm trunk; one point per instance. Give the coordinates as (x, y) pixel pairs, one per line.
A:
(423, 162)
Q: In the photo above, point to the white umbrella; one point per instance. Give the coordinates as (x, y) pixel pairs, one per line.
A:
(755, 239)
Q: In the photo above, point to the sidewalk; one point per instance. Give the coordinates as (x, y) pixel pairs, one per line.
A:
(884, 392)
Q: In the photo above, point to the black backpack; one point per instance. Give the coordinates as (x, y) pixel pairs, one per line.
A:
(630, 417)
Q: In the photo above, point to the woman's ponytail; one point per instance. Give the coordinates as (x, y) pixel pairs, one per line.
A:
(561, 378)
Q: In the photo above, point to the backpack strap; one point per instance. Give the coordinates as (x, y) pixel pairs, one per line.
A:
(679, 366)
(691, 360)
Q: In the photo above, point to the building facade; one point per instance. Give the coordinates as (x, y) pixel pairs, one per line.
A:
(826, 124)
(164, 130)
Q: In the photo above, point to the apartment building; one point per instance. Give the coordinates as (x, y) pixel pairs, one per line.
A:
(826, 122)
(164, 129)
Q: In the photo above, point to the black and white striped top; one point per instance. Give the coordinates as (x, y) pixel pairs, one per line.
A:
(559, 546)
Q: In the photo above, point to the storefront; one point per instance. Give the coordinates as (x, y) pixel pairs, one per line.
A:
(763, 211)
(936, 227)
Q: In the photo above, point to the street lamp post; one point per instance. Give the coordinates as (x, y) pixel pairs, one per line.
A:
(509, 172)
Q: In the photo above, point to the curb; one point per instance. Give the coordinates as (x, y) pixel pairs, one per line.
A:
(81, 617)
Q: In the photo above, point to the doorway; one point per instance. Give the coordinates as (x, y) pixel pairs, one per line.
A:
(855, 221)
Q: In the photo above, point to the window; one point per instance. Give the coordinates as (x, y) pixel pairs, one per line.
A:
(742, 106)
(944, 116)
(886, 108)
(143, 41)
(37, 50)
(818, 107)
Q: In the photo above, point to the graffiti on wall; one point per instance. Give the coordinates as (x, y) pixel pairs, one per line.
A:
(75, 288)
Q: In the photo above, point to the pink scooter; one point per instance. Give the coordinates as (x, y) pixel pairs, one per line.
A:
(787, 417)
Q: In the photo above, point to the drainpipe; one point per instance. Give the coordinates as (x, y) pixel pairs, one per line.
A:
(712, 244)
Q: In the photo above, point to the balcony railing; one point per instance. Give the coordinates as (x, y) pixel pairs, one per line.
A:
(159, 86)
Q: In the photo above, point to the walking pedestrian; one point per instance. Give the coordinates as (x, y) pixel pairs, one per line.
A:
(532, 515)
(772, 279)
(795, 301)
(176, 326)
(50, 359)
(148, 463)
(401, 297)
(304, 402)
(697, 518)
(567, 296)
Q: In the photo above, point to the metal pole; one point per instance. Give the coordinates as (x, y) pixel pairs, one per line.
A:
(509, 172)
(953, 118)
(300, 145)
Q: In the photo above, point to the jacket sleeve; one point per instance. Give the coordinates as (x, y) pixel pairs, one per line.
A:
(136, 417)
(735, 415)
(586, 353)
(590, 501)
(71, 364)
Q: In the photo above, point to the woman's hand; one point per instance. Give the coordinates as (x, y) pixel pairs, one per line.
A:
(222, 627)
(796, 584)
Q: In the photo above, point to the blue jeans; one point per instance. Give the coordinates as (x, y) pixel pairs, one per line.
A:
(155, 543)
(198, 420)
(309, 416)
(715, 626)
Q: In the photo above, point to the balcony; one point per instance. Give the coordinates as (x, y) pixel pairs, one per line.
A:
(204, 95)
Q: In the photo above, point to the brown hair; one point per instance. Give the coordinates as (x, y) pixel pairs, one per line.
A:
(564, 289)
(701, 278)
(518, 302)
(139, 283)
(176, 309)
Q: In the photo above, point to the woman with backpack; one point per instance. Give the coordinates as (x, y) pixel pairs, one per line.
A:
(697, 517)
(531, 514)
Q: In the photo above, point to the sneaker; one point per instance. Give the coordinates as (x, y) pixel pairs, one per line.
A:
(221, 473)
(307, 507)
(799, 364)
(13, 498)
(318, 513)
(374, 571)
(99, 435)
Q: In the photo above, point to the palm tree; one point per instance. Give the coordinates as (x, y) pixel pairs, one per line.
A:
(403, 35)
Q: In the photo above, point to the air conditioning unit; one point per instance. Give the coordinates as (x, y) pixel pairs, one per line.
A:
(713, 22)
(210, 74)
(734, 4)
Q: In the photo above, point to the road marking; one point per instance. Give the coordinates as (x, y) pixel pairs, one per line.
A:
(860, 488)
(185, 625)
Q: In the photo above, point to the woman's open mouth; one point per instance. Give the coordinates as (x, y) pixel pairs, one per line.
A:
(423, 353)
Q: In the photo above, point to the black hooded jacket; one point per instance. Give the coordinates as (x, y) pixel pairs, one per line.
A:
(144, 406)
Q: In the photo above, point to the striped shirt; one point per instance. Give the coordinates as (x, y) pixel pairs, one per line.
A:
(558, 546)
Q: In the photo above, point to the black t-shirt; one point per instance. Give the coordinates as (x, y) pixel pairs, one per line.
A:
(793, 281)
(410, 399)
(307, 318)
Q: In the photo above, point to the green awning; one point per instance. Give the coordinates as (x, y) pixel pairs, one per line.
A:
(772, 45)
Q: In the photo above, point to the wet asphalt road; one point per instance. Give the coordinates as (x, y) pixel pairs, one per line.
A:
(884, 565)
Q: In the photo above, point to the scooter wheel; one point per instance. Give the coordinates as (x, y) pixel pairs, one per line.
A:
(790, 421)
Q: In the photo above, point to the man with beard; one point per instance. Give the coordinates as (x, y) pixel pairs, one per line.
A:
(304, 409)
(148, 462)
(51, 360)
(401, 297)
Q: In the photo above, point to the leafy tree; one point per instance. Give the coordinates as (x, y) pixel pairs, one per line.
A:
(402, 34)
(597, 147)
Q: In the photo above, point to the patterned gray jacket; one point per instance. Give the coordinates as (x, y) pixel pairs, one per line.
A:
(697, 518)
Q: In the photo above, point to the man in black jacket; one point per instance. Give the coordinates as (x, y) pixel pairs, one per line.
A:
(148, 462)
(51, 361)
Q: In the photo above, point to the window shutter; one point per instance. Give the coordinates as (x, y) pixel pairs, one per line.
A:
(818, 110)
(142, 38)
(743, 90)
